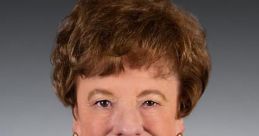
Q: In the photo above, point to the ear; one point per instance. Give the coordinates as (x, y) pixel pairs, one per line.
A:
(180, 126)
(76, 123)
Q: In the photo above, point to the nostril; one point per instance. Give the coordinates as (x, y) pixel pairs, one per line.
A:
(129, 131)
(121, 134)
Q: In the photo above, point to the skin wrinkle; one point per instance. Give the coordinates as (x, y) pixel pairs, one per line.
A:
(119, 87)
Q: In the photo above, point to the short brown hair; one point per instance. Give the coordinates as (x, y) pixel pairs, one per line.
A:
(102, 37)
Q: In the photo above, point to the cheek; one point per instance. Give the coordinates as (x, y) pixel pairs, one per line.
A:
(92, 123)
(160, 123)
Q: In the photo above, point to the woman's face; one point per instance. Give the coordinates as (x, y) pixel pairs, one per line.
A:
(134, 103)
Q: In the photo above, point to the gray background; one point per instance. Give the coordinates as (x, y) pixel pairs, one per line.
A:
(28, 106)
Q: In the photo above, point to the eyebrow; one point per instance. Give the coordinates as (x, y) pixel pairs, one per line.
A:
(99, 91)
(142, 94)
(152, 91)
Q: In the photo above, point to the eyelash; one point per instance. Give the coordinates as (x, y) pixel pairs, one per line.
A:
(146, 104)
(100, 102)
(150, 104)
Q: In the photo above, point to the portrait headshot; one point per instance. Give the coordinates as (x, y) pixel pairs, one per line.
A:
(129, 68)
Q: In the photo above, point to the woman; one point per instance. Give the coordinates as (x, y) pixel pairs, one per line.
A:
(130, 67)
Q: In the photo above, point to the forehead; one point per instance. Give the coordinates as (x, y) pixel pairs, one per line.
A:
(138, 80)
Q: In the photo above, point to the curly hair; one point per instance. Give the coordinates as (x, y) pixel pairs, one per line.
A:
(102, 37)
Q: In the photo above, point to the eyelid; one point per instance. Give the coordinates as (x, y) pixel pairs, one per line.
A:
(156, 103)
(98, 104)
(152, 92)
(100, 98)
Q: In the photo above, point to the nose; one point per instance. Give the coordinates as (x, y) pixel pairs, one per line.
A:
(127, 122)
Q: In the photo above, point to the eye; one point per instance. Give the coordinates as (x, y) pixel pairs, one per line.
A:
(103, 103)
(150, 103)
